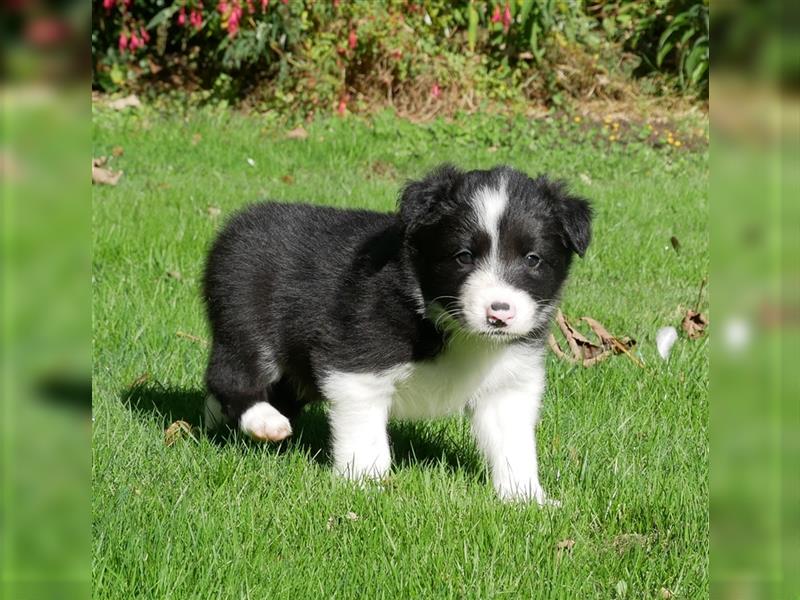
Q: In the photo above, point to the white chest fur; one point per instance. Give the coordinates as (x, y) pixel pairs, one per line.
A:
(467, 369)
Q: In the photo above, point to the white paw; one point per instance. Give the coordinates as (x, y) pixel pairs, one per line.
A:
(363, 468)
(263, 422)
(524, 491)
(213, 417)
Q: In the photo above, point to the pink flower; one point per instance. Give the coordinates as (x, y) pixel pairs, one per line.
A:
(135, 42)
(352, 39)
(182, 17)
(335, 3)
(285, 1)
(264, 5)
(233, 20)
(496, 18)
(123, 42)
(342, 107)
(144, 34)
(250, 8)
(506, 18)
(196, 19)
(436, 90)
(107, 4)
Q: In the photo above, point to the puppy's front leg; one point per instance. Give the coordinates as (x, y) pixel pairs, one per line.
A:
(359, 413)
(503, 422)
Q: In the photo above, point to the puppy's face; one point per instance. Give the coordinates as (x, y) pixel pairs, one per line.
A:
(492, 249)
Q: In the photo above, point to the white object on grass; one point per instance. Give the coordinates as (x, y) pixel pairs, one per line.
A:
(665, 339)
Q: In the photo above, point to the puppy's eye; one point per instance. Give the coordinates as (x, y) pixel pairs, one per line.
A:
(464, 257)
(532, 260)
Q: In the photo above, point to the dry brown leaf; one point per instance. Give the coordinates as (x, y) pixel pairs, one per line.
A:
(665, 593)
(131, 101)
(141, 380)
(287, 179)
(117, 151)
(694, 324)
(101, 175)
(298, 133)
(335, 520)
(175, 275)
(214, 211)
(383, 169)
(193, 338)
(178, 430)
(196, 139)
(564, 547)
(585, 351)
(626, 541)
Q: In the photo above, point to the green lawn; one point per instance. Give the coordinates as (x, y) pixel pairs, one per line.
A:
(624, 448)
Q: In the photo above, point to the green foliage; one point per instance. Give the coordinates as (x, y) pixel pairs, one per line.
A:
(671, 37)
(321, 55)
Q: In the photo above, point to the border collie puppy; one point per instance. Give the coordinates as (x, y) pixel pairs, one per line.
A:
(441, 307)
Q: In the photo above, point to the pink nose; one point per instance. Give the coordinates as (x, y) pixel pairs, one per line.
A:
(500, 314)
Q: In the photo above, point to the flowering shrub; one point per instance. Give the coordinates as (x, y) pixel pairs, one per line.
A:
(345, 55)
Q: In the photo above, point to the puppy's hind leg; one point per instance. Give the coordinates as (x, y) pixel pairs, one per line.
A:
(239, 394)
(263, 422)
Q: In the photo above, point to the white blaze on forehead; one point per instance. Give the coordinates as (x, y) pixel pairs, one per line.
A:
(490, 204)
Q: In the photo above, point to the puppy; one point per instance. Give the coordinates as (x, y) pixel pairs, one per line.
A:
(440, 307)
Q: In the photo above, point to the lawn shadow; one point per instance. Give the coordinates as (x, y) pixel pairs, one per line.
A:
(170, 404)
(413, 443)
(417, 443)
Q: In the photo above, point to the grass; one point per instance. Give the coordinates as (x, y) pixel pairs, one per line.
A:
(624, 448)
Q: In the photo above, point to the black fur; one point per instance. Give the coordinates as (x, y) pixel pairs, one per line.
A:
(294, 290)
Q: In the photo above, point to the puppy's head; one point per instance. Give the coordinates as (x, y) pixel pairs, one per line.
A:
(492, 249)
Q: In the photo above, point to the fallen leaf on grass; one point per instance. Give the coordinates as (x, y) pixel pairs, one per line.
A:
(586, 352)
(298, 133)
(193, 338)
(383, 170)
(585, 178)
(177, 431)
(287, 179)
(196, 139)
(676, 245)
(117, 151)
(141, 380)
(214, 211)
(102, 175)
(175, 275)
(562, 547)
(131, 101)
(665, 593)
(627, 541)
(565, 544)
(335, 520)
(694, 324)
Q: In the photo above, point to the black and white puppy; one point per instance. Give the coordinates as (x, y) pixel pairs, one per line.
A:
(441, 307)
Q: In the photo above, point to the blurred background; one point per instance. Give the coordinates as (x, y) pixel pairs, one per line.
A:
(423, 59)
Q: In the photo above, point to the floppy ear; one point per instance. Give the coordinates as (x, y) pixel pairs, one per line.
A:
(423, 202)
(575, 215)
